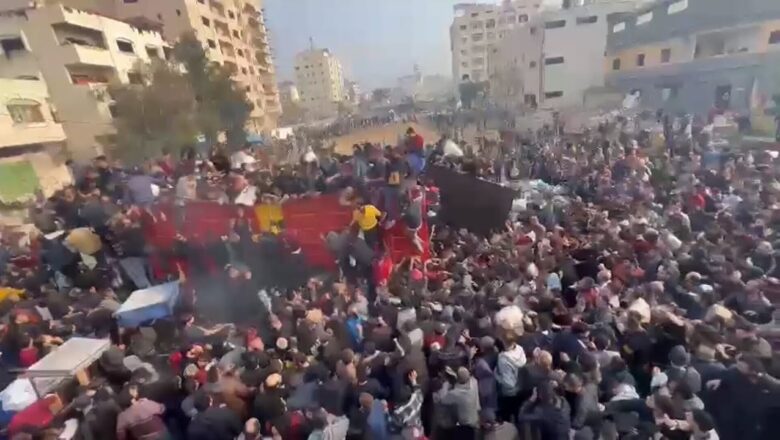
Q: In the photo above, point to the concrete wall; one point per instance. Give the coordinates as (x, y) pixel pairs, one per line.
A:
(694, 84)
(17, 134)
(700, 15)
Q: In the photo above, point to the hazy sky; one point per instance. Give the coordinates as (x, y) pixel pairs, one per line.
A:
(376, 40)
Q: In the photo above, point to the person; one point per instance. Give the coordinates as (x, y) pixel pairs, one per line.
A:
(213, 422)
(140, 419)
(462, 399)
(546, 413)
(367, 217)
(508, 373)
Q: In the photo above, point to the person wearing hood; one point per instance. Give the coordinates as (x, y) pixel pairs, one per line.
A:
(510, 362)
(680, 370)
(463, 400)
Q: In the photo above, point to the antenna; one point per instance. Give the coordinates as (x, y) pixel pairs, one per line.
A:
(311, 43)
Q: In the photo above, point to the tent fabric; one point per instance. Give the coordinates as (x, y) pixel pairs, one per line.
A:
(147, 304)
(468, 202)
(18, 182)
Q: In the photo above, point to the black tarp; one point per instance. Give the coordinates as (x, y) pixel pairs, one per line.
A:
(468, 202)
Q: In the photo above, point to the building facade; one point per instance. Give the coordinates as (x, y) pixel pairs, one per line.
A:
(32, 142)
(77, 54)
(320, 82)
(555, 58)
(232, 32)
(476, 31)
(697, 55)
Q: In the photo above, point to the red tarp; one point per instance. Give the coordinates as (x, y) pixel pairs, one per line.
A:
(306, 219)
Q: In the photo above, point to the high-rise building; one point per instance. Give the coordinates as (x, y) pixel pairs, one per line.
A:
(478, 28)
(536, 65)
(320, 82)
(75, 54)
(232, 32)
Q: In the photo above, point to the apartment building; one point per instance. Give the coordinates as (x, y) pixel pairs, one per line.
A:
(697, 55)
(320, 82)
(555, 58)
(76, 54)
(232, 32)
(32, 142)
(476, 31)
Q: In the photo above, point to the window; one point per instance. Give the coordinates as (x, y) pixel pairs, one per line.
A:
(152, 52)
(532, 64)
(231, 14)
(669, 92)
(555, 94)
(490, 24)
(240, 52)
(553, 61)
(135, 78)
(205, 21)
(774, 37)
(251, 70)
(677, 7)
(236, 34)
(12, 45)
(178, 12)
(491, 35)
(159, 17)
(640, 60)
(475, 14)
(463, 27)
(588, 20)
(511, 19)
(243, 70)
(666, 55)
(25, 111)
(464, 64)
(479, 61)
(616, 64)
(212, 44)
(125, 46)
(203, 2)
(532, 31)
(131, 1)
(476, 25)
(644, 18)
(620, 27)
(477, 37)
(522, 18)
(555, 24)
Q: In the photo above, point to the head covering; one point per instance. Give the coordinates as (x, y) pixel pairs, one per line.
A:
(679, 357)
(273, 380)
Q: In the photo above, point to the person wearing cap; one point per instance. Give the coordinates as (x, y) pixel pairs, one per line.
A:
(462, 399)
(680, 370)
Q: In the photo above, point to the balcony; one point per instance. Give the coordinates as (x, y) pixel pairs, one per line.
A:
(227, 49)
(95, 56)
(231, 67)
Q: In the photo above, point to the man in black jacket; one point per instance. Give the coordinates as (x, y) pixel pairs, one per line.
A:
(213, 422)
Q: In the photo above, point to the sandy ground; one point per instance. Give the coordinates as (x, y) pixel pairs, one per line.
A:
(385, 135)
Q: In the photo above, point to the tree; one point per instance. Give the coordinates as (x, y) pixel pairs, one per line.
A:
(222, 106)
(154, 115)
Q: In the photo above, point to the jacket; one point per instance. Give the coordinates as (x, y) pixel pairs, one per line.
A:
(509, 364)
(488, 390)
(215, 424)
(463, 400)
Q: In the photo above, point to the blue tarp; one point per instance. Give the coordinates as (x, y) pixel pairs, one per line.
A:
(147, 304)
(254, 138)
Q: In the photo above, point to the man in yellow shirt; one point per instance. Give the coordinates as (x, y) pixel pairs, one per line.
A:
(367, 217)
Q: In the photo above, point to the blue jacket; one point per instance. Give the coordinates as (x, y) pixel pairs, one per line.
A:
(377, 421)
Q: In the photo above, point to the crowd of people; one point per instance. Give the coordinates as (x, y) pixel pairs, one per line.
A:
(634, 312)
